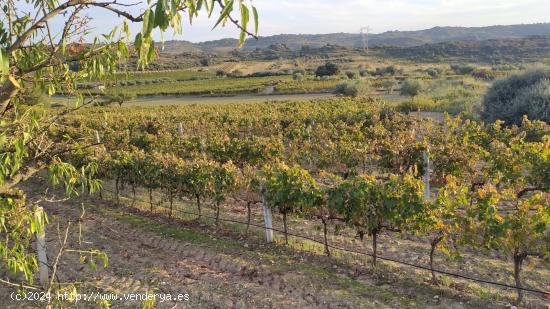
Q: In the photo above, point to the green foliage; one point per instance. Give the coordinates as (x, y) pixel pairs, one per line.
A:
(484, 74)
(388, 85)
(371, 205)
(34, 96)
(352, 88)
(346, 160)
(351, 75)
(236, 73)
(34, 59)
(512, 98)
(450, 96)
(434, 72)
(289, 190)
(297, 76)
(496, 51)
(417, 105)
(389, 70)
(119, 98)
(412, 87)
(328, 69)
(462, 69)
(229, 85)
(162, 15)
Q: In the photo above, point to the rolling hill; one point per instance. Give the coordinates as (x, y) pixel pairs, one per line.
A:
(489, 51)
(391, 38)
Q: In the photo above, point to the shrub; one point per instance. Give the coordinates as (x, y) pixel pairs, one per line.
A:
(462, 69)
(74, 66)
(352, 89)
(484, 74)
(512, 98)
(236, 73)
(265, 74)
(389, 70)
(116, 98)
(363, 73)
(205, 62)
(351, 74)
(412, 87)
(504, 67)
(434, 72)
(388, 85)
(297, 76)
(220, 73)
(328, 69)
(418, 104)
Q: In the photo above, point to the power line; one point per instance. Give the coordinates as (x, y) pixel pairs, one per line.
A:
(443, 272)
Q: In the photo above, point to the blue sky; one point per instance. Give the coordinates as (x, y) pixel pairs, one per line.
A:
(327, 16)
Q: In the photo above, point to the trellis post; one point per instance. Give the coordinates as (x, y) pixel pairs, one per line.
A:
(180, 128)
(426, 176)
(97, 138)
(268, 221)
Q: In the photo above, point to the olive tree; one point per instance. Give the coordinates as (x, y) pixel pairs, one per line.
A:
(412, 88)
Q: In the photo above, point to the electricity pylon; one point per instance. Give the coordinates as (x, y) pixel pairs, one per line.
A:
(365, 37)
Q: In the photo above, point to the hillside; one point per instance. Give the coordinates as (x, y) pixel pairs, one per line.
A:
(391, 38)
(488, 51)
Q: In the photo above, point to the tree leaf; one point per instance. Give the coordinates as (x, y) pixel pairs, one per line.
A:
(4, 63)
(148, 22)
(224, 13)
(256, 20)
